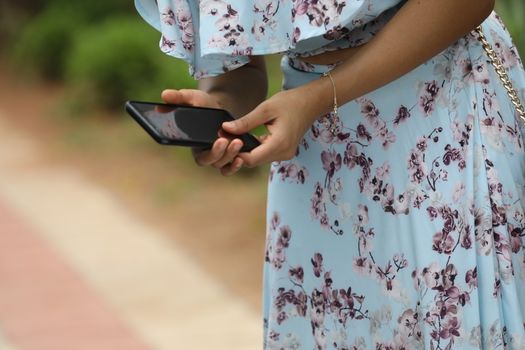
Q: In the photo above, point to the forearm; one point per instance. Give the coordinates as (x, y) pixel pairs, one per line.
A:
(420, 30)
(238, 91)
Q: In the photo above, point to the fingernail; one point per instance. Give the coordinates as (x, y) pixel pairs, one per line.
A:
(229, 124)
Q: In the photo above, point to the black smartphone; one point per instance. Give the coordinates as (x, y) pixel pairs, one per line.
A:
(181, 125)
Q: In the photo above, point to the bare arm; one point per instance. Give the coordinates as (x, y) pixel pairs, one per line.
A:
(241, 90)
(420, 30)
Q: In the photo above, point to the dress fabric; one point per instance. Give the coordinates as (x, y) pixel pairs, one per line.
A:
(404, 228)
(215, 36)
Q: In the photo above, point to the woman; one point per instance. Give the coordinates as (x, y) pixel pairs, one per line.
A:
(395, 221)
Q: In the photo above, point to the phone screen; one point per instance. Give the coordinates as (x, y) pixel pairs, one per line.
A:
(183, 123)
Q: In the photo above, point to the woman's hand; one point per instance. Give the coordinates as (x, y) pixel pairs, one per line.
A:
(287, 115)
(225, 149)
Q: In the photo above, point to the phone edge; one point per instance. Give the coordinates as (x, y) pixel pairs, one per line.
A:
(136, 115)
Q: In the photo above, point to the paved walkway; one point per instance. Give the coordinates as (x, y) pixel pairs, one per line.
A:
(77, 268)
(3, 343)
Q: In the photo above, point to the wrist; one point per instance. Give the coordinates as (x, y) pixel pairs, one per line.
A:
(318, 96)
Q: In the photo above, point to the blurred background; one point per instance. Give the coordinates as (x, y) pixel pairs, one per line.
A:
(167, 249)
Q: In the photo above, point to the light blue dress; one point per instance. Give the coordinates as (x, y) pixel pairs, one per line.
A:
(400, 225)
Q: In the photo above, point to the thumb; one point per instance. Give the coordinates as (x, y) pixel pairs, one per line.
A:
(256, 117)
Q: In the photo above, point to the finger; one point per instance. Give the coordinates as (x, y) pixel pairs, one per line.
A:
(214, 154)
(231, 152)
(256, 117)
(233, 167)
(183, 97)
(226, 135)
(171, 96)
(261, 154)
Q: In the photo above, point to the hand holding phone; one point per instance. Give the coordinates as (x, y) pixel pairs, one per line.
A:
(190, 126)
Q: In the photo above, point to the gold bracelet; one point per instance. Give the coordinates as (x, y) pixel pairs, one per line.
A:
(334, 118)
(329, 75)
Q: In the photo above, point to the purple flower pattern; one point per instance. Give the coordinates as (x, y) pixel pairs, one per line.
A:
(228, 32)
(432, 166)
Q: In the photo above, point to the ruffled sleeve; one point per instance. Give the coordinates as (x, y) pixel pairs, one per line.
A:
(216, 36)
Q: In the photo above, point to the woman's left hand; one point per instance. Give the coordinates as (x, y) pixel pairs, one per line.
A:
(287, 115)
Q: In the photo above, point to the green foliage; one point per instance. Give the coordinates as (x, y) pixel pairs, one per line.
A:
(512, 12)
(93, 11)
(118, 60)
(273, 66)
(41, 47)
(45, 40)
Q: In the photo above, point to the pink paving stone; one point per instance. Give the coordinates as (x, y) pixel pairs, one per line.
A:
(45, 304)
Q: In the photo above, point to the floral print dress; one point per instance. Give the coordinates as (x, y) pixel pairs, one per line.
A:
(400, 225)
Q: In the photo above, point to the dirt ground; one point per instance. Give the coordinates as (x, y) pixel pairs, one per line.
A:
(222, 218)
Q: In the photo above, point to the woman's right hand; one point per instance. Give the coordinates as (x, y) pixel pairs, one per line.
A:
(223, 154)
